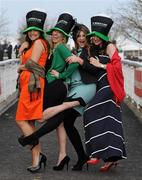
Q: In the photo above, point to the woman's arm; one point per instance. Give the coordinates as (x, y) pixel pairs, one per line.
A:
(84, 63)
(95, 62)
(22, 48)
(66, 73)
(65, 53)
(74, 59)
(21, 68)
(38, 48)
(115, 74)
(110, 50)
(115, 60)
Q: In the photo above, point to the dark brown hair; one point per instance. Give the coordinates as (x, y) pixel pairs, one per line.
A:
(96, 50)
(30, 41)
(76, 32)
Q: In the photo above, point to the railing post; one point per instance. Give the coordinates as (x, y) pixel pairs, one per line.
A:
(133, 81)
(8, 76)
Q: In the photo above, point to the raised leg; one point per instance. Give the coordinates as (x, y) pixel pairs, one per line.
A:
(52, 111)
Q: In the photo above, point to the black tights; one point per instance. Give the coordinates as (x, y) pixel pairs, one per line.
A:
(72, 132)
(49, 101)
(49, 126)
(69, 116)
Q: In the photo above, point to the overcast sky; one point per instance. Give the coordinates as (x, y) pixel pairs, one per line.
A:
(81, 9)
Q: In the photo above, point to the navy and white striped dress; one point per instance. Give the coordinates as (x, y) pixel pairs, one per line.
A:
(103, 123)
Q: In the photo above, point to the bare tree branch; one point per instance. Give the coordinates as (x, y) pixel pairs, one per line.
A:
(3, 25)
(128, 21)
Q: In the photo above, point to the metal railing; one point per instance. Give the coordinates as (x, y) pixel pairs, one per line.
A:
(130, 69)
(8, 76)
(132, 63)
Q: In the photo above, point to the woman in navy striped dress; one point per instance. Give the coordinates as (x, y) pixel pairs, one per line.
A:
(102, 117)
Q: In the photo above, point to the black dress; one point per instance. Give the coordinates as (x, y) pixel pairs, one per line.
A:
(102, 122)
(54, 92)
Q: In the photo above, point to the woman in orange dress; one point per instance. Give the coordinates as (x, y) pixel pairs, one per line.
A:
(34, 53)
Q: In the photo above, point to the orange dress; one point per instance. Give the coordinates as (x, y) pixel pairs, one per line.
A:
(30, 110)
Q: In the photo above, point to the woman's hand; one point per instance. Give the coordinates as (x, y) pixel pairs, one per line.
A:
(21, 68)
(54, 73)
(18, 70)
(95, 61)
(74, 59)
(24, 46)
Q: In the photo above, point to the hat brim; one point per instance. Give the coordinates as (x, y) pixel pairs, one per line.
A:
(32, 28)
(58, 29)
(100, 35)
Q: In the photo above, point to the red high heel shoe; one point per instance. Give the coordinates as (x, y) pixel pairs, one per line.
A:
(107, 166)
(93, 161)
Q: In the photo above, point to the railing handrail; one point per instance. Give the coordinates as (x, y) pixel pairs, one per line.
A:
(8, 61)
(132, 63)
(125, 61)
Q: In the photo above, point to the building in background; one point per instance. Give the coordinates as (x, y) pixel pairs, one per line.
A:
(132, 51)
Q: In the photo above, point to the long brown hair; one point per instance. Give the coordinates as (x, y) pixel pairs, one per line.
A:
(76, 31)
(41, 36)
(96, 50)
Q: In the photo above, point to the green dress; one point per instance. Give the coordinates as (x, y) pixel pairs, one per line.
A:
(78, 89)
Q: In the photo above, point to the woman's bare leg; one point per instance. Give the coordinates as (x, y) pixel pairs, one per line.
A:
(27, 129)
(52, 111)
(36, 150)
(61, 135)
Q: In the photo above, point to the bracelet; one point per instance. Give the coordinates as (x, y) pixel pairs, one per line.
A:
(102, 66)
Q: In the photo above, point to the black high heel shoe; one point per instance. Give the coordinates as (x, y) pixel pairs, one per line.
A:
(64, 162)
(79, 99)
(80, 163)
(23, 141)
(35, 169)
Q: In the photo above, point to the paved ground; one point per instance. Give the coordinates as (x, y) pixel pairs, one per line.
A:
(14, 159)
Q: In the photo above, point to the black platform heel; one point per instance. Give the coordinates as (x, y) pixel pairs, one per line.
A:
(64, 162)
(80, 163)
(79, 99)
(35, 169)
(22, 140)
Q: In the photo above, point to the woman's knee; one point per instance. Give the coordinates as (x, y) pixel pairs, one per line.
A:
(20, 123)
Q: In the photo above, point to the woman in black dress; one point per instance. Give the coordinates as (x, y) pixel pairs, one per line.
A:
(102, 117)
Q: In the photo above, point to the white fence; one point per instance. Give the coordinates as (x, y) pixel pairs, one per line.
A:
(133, 81)
(8, 77)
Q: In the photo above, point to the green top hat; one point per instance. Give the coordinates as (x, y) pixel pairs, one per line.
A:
(100, 26)
(64, 24)
(35, 21)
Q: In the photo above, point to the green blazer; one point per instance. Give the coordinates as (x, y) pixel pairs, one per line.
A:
(60, 54)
